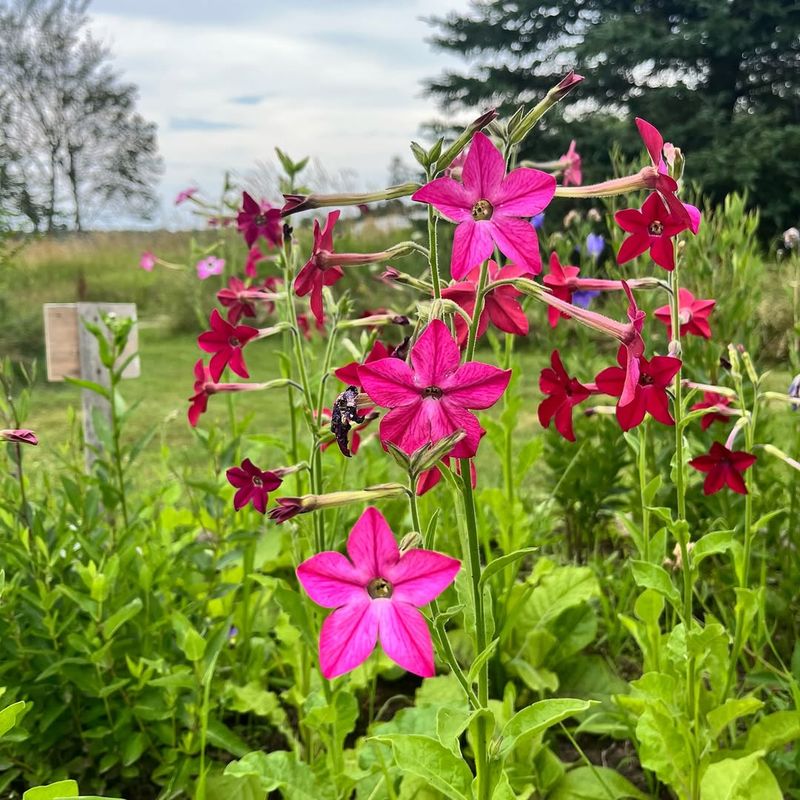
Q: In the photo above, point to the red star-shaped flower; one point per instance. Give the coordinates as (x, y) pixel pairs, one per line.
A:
(693, 315)
(564, 393)
(226, 341)
(723, 467)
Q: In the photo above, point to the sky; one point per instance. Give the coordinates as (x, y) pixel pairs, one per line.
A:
(227, 81)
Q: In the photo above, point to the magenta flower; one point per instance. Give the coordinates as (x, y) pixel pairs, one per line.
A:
(304, 324)
(713, 400)
(18, 436)
(319, 270)
(376, 595)
(724, 467)
(349, 372)
(487, 206)
(186, 194)
(500, 305)
(254, 255)
(226, 341)
(572, 166)
(255, 220)
(252, 485)
(561, 282)
(240, 300)
(198, 402)
(693, 315)
(650, 228)
(147, 261)
(649, 392)
(211, 265)
(564, 393)
(431, 398)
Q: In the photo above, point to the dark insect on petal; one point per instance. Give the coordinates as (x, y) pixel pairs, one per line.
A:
(343, 414)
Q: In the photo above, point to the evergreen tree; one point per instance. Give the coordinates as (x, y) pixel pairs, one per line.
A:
(720, 78)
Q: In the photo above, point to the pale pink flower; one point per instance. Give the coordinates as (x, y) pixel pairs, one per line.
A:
(147, 261)
(573, 176)
(211, 265)
(186, 194)
(376, 594)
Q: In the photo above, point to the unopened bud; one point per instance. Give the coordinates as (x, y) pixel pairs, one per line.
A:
(735, 363)
(431, 454)
(749, 368)
(464, 139)
(411, 541)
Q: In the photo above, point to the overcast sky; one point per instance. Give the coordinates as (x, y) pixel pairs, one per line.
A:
(228, 81)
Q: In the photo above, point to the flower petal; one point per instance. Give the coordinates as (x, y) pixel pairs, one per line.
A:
(517, 239)
(403, 427)
(371, 545)
(450, 197)
(405, 637)
(653, 140)
(523, 193)
(435, 356)
(348, 637)
(484, 168)
(472, 244)
(636, 244)
(476, 385)
(330, 580)
(389, 382)
(421, 575)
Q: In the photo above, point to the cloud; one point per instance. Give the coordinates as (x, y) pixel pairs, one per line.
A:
(196, 124)
(341, 82)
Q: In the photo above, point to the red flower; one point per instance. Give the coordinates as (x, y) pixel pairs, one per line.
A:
(564, 394)
(318, 272)
(500, 305)
(723, 467)
(240, 300)
(433, 396)
(199, 400)
(252, 485)
(304, 323)
(650, 228)
(18, 436)
(431, 477)
(649, 392)
(710, 400)
(226, 341)
(254, 255)
(560, 282)
(256, 220)
(693, 315)
(287, 508)
(349, 372)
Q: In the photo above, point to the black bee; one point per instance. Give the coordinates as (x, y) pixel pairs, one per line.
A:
(343, 415)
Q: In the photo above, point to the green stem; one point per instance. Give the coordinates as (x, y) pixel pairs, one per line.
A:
(474, 573)
(476, 314)
(642, 464)
(433, 252)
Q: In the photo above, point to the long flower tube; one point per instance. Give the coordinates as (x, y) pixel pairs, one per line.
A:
(303, 202)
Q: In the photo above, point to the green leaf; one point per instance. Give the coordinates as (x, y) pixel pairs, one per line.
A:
(452, 722)
(432, 761)
(733, 708)
(220, 735)
(747, 778)
(52, 791)
(92, 386)
(189, 640)
(594, 783)
(8, 716)
(133, 748)
(503, 790)
(282, 770)
(120, 617)
(711, 544)
(537, 718)
(774, 731)
(652, 576)
(482, 658)
(499, 564)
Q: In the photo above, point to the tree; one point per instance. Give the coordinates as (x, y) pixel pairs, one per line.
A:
(721, 78)
(69, 131)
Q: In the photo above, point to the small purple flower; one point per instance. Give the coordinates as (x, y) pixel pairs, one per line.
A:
(794, 391)
(209, 266)
(537, 220)
(583, 298)
(595, 244)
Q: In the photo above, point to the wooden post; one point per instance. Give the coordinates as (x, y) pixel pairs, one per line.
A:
(72, 352)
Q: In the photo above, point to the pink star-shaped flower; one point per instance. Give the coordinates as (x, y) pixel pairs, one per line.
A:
(724, 467)
(650, 228)
(431, 398)
(500, 305)
(573, 176)
(349, 372)
(318, 272)
(564, 393)
(255, 220)
(226, 341)
(649, 393)
(693, 315)
(376, 594)
(487, 205)
(560, 282)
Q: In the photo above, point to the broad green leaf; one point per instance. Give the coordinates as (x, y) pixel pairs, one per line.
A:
(652, 576)
(537, 718)
(133, 748)
(282, 770)
(189, 640)
(220, 735)
(649, 606)
(711, 544)
(432, 761)
(774, 731)
(747, 778)
(120, 617)
(733, 708)
(52, 791)
(503, 790)
(594, 783)
(452, 722)
(8, 716)
(499, 564)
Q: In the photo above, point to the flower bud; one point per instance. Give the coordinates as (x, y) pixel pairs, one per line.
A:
(289, 507)
(18, 436)
(431, 454)
(464, 139)
(411, 541)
